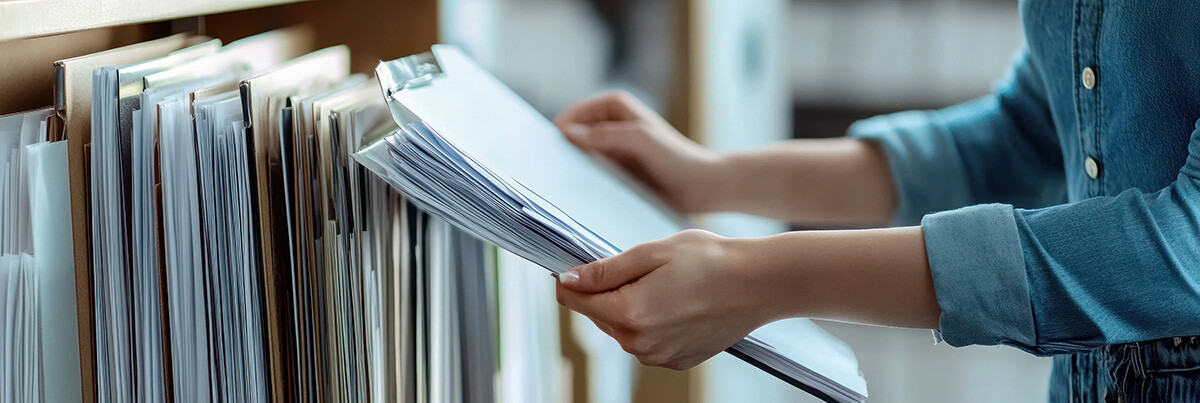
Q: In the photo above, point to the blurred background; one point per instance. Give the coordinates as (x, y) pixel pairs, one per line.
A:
(740, 74)
(730, 74)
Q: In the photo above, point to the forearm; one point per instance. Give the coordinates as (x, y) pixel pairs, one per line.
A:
(816, 182)
(878, 276)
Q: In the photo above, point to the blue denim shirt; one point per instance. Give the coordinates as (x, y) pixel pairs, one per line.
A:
(1054, 256)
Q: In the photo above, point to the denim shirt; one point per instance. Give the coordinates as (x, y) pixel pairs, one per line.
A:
(1082, 173)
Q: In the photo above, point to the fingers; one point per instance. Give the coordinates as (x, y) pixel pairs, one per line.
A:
(613, 272)
(601, 308)
(613, 314)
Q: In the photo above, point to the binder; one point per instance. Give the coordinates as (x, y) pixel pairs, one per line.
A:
(471, 152)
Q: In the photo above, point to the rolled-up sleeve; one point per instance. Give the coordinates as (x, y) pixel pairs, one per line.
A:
(1048, 280)
(979, 276)
(1105, 270)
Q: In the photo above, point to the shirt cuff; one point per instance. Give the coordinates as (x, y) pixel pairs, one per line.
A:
(979, 276)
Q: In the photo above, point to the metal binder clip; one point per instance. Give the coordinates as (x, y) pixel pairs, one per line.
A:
(406, 73)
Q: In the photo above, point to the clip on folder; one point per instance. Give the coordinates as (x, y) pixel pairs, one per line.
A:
(472, 152)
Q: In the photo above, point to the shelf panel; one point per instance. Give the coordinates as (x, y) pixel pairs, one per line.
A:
(32, 18)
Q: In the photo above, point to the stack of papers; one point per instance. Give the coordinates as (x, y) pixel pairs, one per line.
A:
(472, 152)
(121, 216)
(20, 339)
(231, 255)
(38, 327)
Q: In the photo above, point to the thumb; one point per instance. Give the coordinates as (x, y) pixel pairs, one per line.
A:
(607, 137)
(578, 134)
(613, 272)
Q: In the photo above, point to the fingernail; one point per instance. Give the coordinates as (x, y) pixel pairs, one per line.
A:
(568, 278)
(578, 131)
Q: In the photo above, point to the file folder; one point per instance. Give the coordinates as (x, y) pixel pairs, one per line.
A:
(73, 103)
(51, 229)
(473, 153)
(263, 98)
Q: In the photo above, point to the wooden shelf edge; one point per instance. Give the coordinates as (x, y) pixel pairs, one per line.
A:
(22, 19)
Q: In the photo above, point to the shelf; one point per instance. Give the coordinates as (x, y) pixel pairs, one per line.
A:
(33, 18)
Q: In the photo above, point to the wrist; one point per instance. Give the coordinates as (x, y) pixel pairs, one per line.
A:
(755, 277)
(877, 276)
(799, 274)
(720, 188)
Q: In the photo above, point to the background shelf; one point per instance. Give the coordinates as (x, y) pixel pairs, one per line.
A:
(32, 18)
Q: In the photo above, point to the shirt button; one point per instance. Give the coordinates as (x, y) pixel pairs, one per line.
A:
(1088, 77)
(1092, 167)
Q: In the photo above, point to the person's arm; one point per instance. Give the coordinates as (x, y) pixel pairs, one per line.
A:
(892, 169)
(1068, 278)
(678, 301)
(829, 181)
(897, 168)
(840, 181)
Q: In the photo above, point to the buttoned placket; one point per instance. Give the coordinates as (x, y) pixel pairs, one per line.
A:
(1088, 89)
(1086, 385)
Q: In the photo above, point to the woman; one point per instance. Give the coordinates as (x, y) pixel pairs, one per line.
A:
(1093, 137)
